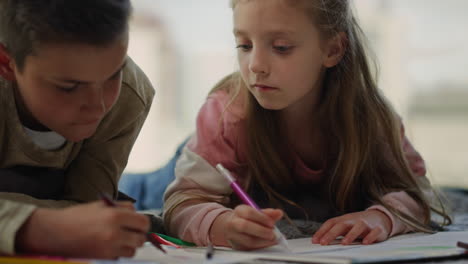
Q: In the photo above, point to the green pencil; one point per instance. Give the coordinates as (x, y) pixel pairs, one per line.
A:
(176, 241)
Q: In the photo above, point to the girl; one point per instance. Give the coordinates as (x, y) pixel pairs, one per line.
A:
(304, 129)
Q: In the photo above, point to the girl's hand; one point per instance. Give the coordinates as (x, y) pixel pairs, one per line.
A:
(88, 231)
(247, 229)
(372, 226)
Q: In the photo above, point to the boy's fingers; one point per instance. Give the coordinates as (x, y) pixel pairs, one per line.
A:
(127, 252)
(133, 239)
(134, 221)
(126, 205)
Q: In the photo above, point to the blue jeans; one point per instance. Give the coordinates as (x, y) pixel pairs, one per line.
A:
(148, 188)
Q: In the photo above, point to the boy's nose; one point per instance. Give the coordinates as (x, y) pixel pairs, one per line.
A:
(94, 100)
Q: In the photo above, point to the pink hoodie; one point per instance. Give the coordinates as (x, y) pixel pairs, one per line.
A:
(219, 139)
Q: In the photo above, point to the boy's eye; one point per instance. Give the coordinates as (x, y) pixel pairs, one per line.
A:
(244, 47)
(67, 89)
(116, 75)
(283, 49)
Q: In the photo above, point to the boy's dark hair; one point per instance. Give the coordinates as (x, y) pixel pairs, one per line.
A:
(26, 24)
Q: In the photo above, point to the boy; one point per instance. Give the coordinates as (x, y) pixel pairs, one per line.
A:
(71, 106)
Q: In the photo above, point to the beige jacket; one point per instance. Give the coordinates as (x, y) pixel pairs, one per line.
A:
(90, 167)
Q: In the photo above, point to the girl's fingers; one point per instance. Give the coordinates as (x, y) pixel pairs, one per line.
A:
(247, 227)
(336, 231)
(251, 214)
(372, 236)
(252, 229)
(356, 231)
(241, 241)
(353, 226)
(322, 231)
(274, 214)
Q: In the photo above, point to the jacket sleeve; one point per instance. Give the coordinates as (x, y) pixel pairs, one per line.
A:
(199, 193)
(12, 216)
(401, 200)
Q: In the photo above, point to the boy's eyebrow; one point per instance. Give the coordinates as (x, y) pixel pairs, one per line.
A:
(77, 82)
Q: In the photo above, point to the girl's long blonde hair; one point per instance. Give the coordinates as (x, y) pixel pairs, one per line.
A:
(368, 161)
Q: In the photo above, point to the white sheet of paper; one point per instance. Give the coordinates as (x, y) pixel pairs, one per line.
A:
(410, 246)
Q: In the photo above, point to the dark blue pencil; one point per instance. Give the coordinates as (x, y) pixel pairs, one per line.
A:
(209, 251)
(109, 202)
(462, 245)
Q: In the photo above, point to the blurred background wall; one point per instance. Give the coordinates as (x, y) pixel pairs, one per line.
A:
(186, 46)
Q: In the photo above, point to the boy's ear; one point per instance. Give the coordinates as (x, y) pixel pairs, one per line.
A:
(6, 63)
(335, 50)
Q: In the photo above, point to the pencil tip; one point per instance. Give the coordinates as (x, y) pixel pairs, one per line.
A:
(209, 251)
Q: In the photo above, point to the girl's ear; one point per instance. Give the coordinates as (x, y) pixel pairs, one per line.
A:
(6, 64)
(335, 50)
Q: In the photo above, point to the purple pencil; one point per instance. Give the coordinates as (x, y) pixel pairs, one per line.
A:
(247, 200)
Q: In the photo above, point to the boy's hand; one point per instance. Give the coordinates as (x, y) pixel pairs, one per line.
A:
(89, 231)
(247, 229)
(372, 226)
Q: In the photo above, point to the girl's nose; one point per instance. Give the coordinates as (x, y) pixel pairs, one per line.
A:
(258, 63)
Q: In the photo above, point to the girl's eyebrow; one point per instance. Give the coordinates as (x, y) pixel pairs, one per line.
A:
(78, 82)
(238, 33)
(272, 33)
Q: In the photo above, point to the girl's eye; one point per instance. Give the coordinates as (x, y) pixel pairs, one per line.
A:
(283, 49)
(244, 47)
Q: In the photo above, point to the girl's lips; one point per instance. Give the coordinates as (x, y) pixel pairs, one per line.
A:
(264, 88)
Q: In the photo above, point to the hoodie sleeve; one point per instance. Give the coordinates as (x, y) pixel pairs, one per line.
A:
(199, 192)
(401, 200)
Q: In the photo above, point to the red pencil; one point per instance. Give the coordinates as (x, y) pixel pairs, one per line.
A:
(163, 241)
